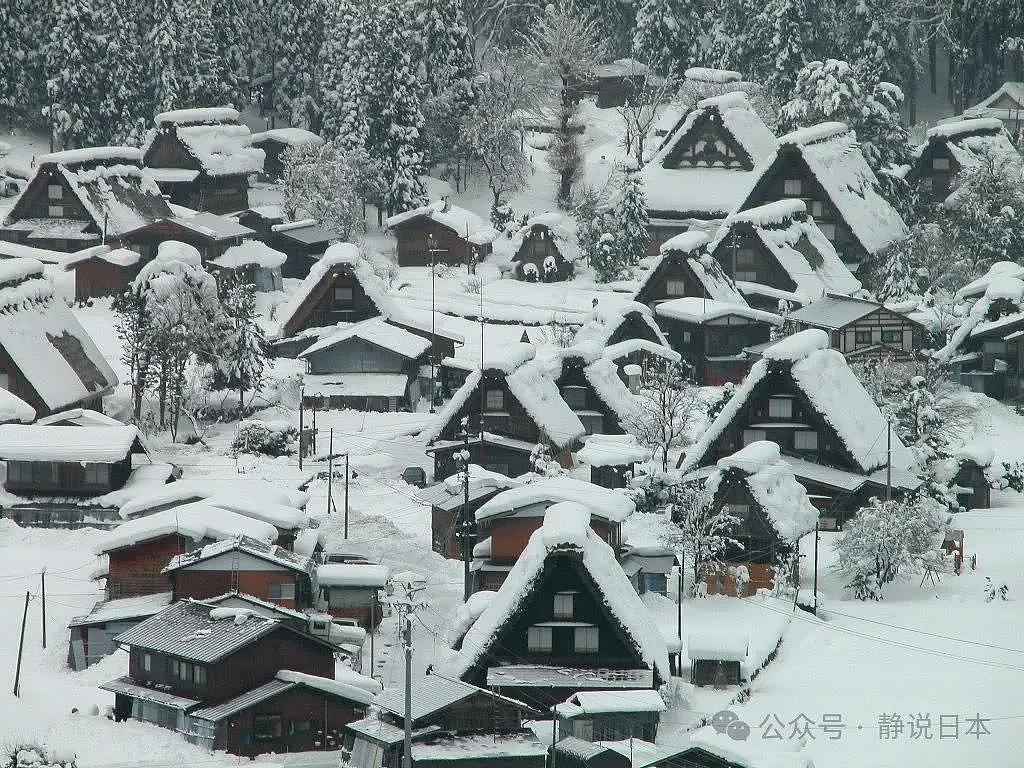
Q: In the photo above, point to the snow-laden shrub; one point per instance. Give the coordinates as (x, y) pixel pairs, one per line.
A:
(270, 438)
(26, 755)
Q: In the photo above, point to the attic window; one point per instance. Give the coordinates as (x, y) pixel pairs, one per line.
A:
(575, 397)
(940, 163)
(793, 187)
(780, 408)
(55, 211)
(55, 191)
(563, 605)
(495, 400)
(343, 294)
(538, 639)
(805, 440)
(675, 287)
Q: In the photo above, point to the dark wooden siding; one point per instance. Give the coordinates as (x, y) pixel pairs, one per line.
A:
(451, 248)
(136, 570)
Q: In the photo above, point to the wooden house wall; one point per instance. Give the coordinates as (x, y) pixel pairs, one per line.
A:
(708, 126)
(147, 240)
(441, 346)
(673, 267)
(243, 670)
(633, 327)
(512, 421)
(320, 309)
(443, 540)
(67, 478)
(723, 337)
(357, 355)
(216, 194)
(619, 90)
(845, 339)
(535, 250)
(506, 461)
(35, 201)
(302, 712)
(754, 414)
(204, 584)
(789, 164)
(136, 570)
(766, 268)
(510, 642)
(574, 377)
(273, 166)
(98, 277)
(510, 535)
(933, 183)
(480, 712)
(414, 251)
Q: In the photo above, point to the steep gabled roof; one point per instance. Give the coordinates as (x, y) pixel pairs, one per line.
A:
(796, 244)
(376, 331)
(831, 155)
(606, 503)
(771, 482)
(213, 136)
(49, 347)
(823, 376)
(1012, 91)
(701, 190)
(690, 248)
(968, 141)
(566, 532)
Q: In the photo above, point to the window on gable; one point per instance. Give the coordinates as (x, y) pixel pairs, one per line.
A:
(55, 191)
(147, 662)
(538, 639)
(585, 640)
(817, 209)
(780, 408)
(675, 287)
(940, 163)
(746, 257)
(805, 440)
(753, 435)
(740, 511)
(575, 397)
(793, 187)
(563, 605)
(55, 211)
(343, 294)
(828, 230)
(494, 400)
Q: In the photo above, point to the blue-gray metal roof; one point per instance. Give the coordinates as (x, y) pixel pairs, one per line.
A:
(244, 701)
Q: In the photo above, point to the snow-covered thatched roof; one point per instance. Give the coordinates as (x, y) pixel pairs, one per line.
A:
(699, 189)
(833, 157)
(14, 409)
(693, 247)
(773, 486)
(798, 246)
(824, 377)
(214, 137)
(604, 321)
(376, 331)
(32, 442)
(464, 223)
(968, 141)
(49, 347)
(561, 227)
(998, 312)
(566, 529)
(240, 490)
(605, 503)
(694, 309)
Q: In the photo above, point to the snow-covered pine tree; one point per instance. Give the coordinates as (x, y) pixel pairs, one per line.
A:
(124, 110)
(618, 21)
(73, 58)
(669, 33)
(788, 45)
(231, 20)
(348, 77)
(728, 22)
(182, 52)
(300, 43)
(166, 78)
(631, 223)
(395, 143)
(25, 27)
(10, 60)
(448, 46)
(879, 48)
(242, 359)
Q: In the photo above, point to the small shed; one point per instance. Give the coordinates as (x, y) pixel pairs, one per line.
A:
(545, 249)
(254, 262)
(440, 233)
(208, 233)
(612, 458)
(275, 141)
(571, 752)
(973, 490)
(102, 270)
(611, 715)
(716, 658)
(620, 82)
(648, 564)
(92, 636)
(350, 590)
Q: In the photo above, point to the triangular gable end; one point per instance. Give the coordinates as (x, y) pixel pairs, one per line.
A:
(707, 142)
(510, 634)
(302, 314)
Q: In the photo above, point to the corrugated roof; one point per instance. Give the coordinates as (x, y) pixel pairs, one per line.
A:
(834, 311)
(129, 687)
(186, 630)
(244, 701)
(259, 549)
(429, 694)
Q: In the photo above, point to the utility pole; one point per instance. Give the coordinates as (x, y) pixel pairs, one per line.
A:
(888, 459)
(42, 610)
(679, 617)
(404, 589)
(21, 646)
(346, 495)
(466, 525)
(330, 471)
(817, 528)
(302, 435)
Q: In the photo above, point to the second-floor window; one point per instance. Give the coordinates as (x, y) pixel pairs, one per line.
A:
(793, 187)
(805, 440)
(753, 435)
(828, 230)
(675, 287)
(55, 211)
(538, 639)
(343, 295)
(563, 605)
(780, 408)
(494, 400)
(147, 662)
(55, 191)
(586, 640)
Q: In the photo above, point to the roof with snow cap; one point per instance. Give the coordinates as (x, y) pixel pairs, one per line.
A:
(831, 311)
(236, 490)
(611, 702)
(693, 309)
(824, 377)
(566, 528)
(691, 246)
(771, 482)
(213, 137)
(562, 228)
(612, 451)
(699, 189)
(833, 157)
(431, 694)
(289, 136)
(250, 252)
(352, 575)
(49, 347)
(464, 223)
(196, 520)
(969, 142)
(32, 442)
(14, 409)
(605, 503)
(261, 550)
(376, 331)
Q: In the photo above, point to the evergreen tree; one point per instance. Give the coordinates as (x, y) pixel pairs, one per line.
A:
(788, 44)
(301, 36)
(166, 80)
(346, 77)
(730, 48)
(182, 55)
(880, 49)
(124, 111)
(25, 27)
(448, 47)
(73, 59)
(631, 223)
(243, 357)
(669, 32)
(231, 20)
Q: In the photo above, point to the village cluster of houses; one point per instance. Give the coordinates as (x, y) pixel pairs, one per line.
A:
(245, 634)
